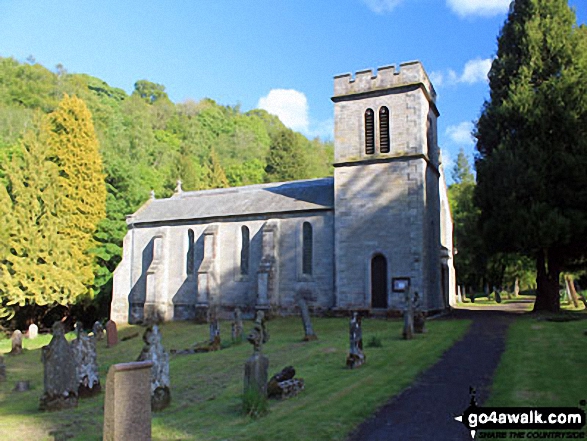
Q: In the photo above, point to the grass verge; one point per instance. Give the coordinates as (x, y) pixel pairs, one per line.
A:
(206, 389)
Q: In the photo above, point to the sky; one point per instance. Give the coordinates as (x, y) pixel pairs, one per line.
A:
(280, 55)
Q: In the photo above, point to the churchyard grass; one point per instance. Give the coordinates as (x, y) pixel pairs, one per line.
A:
(206, 388)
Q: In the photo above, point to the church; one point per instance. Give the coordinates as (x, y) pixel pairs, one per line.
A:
(354, 241)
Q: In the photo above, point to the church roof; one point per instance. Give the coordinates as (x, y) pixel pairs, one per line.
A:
(282, 197)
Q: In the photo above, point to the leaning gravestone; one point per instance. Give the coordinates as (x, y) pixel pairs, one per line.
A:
(309, 333)
(127, 405)
(111, 333)
(2, 369)
(356, 356)
(16, 343)
(98, 331)
(237, 326)
(60, 375)
(33, 331)
(153, 351)
(257, 365)
(84, 352)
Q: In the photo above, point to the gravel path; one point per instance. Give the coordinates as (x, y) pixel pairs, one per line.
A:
(426, 410)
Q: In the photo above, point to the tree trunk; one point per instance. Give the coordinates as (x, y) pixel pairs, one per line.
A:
(547, 277)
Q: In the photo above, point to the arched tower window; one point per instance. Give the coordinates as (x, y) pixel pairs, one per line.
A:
(245, 250)
(384, 130)
(369, 132)
(190, 255)
(307, 248)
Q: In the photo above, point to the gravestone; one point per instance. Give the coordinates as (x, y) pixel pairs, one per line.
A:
(98, 331)
(2, 369)
(16, 343)
(309, 333)
(284, 385)
(33, 331)
(257, 365)
(356, 356)
(60, 375)
(127, 405)
(419, 317)
(154, 352)
(111, 333)
(237, 326)
(84, 353)
(408, 332)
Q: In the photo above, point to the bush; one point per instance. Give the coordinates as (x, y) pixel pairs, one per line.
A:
(255, 404)
(374, 342)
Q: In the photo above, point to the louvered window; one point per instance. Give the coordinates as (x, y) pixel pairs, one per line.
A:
(245, 250)
(384, 130)
(307, 248)
(369, 132)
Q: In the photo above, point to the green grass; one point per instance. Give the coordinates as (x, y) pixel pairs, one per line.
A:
(544, 365)
(207, 389)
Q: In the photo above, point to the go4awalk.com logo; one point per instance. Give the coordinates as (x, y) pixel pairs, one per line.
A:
(528, 422)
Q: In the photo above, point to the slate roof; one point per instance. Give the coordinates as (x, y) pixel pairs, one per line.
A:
(282, 197)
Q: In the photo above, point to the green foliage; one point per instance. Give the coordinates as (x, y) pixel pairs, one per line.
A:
(286, 160)
(374, 342)
(461, 172)
(150, 92)
(255, 404)
(532, 143)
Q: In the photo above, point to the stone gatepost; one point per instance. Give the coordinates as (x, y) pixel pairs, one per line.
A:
(127, 406)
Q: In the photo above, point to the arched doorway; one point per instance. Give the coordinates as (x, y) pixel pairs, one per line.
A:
(379, 282)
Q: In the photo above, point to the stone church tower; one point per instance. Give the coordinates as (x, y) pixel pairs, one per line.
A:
(386, 190)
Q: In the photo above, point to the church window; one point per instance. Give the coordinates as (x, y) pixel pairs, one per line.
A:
(190, 255)
(369, 132)
(384, 130)
(307, 248)
(245, 250)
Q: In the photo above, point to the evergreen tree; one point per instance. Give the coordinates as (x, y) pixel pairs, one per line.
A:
(461, 172)
(216, 178)
(532, 143)
(286, 160)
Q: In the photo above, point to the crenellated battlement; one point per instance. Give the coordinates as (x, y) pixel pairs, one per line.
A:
(386, 77)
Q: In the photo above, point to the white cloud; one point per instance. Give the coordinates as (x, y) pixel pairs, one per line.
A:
(382, 6)
(461, 133)
(289, 105)
(476, 71)
(446, 159)
(484, 8)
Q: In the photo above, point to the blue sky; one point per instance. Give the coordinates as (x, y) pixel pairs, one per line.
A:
(277, 54)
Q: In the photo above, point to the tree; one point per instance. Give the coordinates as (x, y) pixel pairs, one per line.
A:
(216, 178)
(150, 92)
(461, 172)
(286, 160)
(532, 143)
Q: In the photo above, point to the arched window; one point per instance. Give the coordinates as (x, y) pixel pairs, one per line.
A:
(384, 130)
(369, 132)
(307, 248)
(245, 250)
(190, 255)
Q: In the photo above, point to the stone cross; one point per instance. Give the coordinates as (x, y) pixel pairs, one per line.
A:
(127, 405)
(309, 333)
(237, 326)
(98, 331)
(16, 343)
(84, 352)
(33, 331)
(154, 352)
(257, 366)
(60, 375)
(356, 356)
(408, 332)
(111, 333)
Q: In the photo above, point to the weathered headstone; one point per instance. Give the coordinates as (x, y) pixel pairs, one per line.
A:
(84, 352)
(111, 333)
(127, 405)
(284, 385)
(356, 356)
(22, 386)
(408, 332)
(257, 365)
(16, 343)
(237, 326)
(2, 369)
(60, 375)
(98, 331)
(33, 331)
(153, 351)
(419, 316)
(309, 333)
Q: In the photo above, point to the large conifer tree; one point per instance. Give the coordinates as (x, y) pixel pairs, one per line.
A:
(532, 143)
